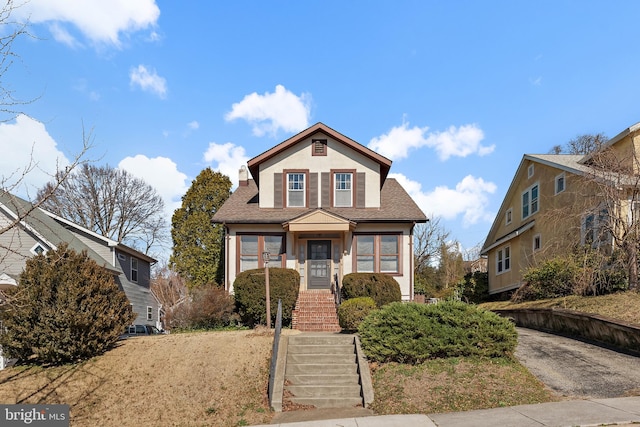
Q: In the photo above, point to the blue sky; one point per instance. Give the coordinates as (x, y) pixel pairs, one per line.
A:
(453, 92)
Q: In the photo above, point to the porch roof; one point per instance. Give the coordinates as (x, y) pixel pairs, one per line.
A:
(319, 220)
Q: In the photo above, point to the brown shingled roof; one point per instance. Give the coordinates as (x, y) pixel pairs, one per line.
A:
(243, 207)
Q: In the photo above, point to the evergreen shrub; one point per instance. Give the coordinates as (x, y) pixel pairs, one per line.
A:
(352, 311)
(381, 287)
(250, 294)
(66, 308)
(413, 333)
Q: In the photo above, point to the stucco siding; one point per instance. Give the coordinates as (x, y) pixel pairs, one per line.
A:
(338, 157)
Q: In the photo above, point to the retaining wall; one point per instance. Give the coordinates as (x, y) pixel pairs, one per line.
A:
(590, 327)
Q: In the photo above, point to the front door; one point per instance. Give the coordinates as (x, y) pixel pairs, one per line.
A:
(319, 259)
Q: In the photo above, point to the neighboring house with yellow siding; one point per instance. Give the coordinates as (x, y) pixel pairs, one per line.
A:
(558, 201)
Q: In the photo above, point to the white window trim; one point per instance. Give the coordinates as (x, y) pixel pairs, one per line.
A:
(564, 183)
(304, 189)
(34, 247)
(335, 190)
(528, 190)
(149, 312)
(503, 251)
(597, 229)
(533, 243)
(530, 171)
(508, 216)
(137, 269)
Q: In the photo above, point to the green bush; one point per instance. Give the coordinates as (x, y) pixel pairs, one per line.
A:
(66, 308)
(475, 287)
(250, 294)
(381, 287)
(208, 307)
(352, 311)
(553, 278)
(412, 333)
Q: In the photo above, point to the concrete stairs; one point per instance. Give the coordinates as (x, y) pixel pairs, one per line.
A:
(315, 311)
(322, 370)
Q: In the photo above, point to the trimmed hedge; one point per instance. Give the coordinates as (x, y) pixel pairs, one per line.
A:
(250, 294)
(352, 311)
(413, 333)
(381, 287)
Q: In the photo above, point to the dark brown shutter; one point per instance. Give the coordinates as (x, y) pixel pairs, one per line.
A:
(313, 190)
(360, 193)
(325, 190)
(277, 190)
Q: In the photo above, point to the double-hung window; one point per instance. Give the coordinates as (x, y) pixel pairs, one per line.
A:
(343, 189)
(560, 183)
(296, 194)
(253, 245)
(503, 259)
(530, 202)
(377, 253)
(134, 269)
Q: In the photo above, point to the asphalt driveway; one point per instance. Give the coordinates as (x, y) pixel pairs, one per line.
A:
(576, 369)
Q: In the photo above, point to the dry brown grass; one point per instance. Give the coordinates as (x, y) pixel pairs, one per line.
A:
(624, 306)
(207, 378)
(456, 384)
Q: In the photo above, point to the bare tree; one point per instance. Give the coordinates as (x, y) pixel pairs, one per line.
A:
(581, 144)
(11, 181)
(169, 288)
(428, 239)
(615, 174)
(111, 202)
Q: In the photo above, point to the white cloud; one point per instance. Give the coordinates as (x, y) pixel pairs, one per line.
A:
(460, 142)
(98, 20)
(228, 157)
(61, 35)
(163, 175)
(148, 80)
(469, 198)
(193, 125)
(271, 112)
(25, 142)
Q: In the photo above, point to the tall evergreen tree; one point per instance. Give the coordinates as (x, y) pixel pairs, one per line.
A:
(197, 242)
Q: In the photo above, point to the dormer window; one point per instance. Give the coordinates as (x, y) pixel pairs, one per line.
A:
(343, 189)
(296, 194)
(319, 147)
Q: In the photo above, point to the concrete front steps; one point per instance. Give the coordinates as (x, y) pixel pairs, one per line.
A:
(323, 370)
(315, 311)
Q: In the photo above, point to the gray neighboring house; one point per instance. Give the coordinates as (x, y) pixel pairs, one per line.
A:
(41, 231)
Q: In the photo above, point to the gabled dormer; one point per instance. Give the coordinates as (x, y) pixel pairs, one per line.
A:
(319, 168)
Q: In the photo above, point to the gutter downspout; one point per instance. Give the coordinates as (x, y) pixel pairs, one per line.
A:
(411, 272)
(226, 257)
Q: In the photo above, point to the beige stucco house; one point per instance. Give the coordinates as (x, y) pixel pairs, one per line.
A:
(556, 202)
(322, 204)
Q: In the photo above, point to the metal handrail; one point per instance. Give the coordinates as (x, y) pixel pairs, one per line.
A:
(274, 351)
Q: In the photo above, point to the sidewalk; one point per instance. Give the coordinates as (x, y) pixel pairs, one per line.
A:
(620, 411)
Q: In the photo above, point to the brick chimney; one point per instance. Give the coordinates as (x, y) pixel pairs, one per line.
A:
(243, 176)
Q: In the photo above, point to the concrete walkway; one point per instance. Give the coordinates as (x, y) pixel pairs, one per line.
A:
(622, 411)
